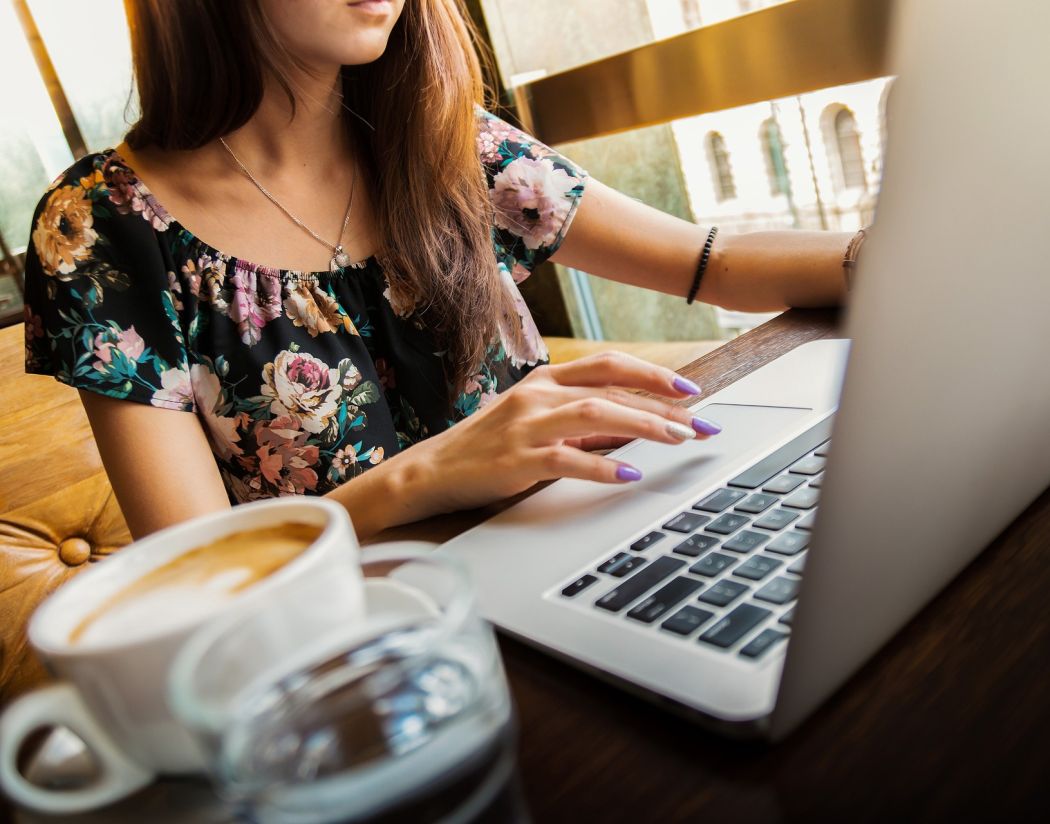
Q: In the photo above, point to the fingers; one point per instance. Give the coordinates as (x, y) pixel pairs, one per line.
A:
(621, 369)
(567, 462)
(596, 443)
(704, 428)
(591, 416)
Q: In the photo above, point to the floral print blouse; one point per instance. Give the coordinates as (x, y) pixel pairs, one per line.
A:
(301, 380)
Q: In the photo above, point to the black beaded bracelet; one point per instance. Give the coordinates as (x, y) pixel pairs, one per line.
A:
(701, 267)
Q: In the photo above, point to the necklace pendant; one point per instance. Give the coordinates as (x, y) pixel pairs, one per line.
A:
(340, 260)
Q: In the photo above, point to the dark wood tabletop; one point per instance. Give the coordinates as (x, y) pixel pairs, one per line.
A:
(949, 721)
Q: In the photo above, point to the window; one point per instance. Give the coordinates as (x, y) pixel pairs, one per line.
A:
(58, 108)
(846, 154)
(721, 171)
(773, 152)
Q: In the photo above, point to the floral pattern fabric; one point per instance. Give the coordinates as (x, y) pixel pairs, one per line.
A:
(301, 380)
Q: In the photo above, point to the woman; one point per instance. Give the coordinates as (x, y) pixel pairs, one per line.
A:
(297, 244)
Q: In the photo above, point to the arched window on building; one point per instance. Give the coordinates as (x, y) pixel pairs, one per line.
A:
(773, 152)
(842, 137)
(721, 170)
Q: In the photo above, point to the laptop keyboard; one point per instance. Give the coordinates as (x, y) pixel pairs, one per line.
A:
(726, 571)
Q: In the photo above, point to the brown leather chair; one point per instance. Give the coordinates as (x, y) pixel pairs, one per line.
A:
(58, 513)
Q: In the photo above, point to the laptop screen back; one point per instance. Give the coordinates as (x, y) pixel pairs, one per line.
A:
(943, 434)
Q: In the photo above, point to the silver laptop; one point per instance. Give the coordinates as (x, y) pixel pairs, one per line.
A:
(746, 577)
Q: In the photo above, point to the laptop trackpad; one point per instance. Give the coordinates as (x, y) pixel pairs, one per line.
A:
(674, 469)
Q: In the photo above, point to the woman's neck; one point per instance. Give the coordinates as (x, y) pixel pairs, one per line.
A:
(312, 137)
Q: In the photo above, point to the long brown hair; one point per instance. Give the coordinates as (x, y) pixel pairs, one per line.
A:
(200, 68)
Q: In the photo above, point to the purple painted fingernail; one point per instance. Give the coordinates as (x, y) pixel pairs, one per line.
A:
(706, 427)
(628, 473)
(685, 385)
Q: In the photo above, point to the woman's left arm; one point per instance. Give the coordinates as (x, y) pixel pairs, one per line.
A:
(616, 237)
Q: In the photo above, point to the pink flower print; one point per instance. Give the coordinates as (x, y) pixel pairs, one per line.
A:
(34, 324)
(130, 196)
(302, 387)
(286, 459)
(473, 384)
(530, 199)
(344, 461)
(524, 345)
(191, 274)
(256, 300)
(519, 273)
(175, 389)
(176, 290)
(222, 431)
(488, 147)
(491, 134)
(376, 456)
(129, 343)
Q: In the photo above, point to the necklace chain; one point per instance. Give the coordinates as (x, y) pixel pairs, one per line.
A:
(340, 259)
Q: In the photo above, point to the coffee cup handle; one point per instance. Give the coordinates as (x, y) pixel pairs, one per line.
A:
(60, 705)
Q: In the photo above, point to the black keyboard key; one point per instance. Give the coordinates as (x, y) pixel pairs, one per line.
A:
(639, 583)
(787, 617)
(720, 501)
(757, 567)
(724, 524)
(723, 593)
(686, 620)
(614, 562)
(687, 522)
(777, 462)
(734, 626)
(667, 596)
(777, 519)
(789, 543)
(647, 541)
(625, 568)
(807, 520)
(578, 586)
(779, 591)
(799, 566)
(696, 545)
(784, 484)
(712, 564)
(745, 541)
(809, 466)
(756, 503)
(803, 499)
(765, 640)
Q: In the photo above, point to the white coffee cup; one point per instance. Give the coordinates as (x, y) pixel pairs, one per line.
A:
(112, 692)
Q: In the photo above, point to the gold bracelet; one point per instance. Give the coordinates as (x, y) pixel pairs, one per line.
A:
(849, 262)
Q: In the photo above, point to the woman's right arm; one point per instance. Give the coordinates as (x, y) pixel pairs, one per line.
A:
(158, 461)
(540, 429)
(163, 470)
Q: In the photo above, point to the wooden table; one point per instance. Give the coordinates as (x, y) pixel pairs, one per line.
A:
(950, 720)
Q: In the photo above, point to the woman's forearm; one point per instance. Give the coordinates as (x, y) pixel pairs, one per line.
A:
(616, 237)
(387, 495)
(763, 271)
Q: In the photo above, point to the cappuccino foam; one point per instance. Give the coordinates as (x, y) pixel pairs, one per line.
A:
(194, 584)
